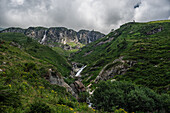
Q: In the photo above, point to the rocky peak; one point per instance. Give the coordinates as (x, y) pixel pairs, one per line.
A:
(86, 36)
(60, 35)
(35, 32)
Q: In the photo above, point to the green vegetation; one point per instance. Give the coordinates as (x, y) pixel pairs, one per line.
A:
(24, 85)
(38, 28)
(145, 43)
(73, 44)
(160, 21)
(61, 51)
(39, 51)
(141, 50)
(110, 95)
(74, 48)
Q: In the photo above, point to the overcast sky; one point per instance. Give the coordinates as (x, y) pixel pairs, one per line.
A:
(101, 15)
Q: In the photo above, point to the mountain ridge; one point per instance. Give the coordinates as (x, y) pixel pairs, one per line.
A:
(126, 70)
(58, 36)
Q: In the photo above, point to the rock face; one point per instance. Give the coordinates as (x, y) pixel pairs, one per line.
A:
(85, 36)
(78, 87)
(57, 79)
(75, 88)
(156, 30)
(55, 35)
(117, 67)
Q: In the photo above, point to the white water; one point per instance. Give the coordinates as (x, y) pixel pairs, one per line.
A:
(89, 103)
(78, 73)
(44, 37)
(89, 40)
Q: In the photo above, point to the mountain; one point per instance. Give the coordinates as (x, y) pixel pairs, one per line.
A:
(1, 29)
(59, 36)
(136, 52)
(32, 78)
(124, 71)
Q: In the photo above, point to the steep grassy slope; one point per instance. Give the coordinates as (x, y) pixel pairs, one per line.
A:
(23, 87)
(39, 51)
(145, 44)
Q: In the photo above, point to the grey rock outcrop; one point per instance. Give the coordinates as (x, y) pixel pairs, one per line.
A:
(156, 30)
(58, 36)
(54, 78)
(78, 87)
(85, 36)
(117, 67)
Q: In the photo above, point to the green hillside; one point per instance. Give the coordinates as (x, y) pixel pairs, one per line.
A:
(39, 51)
(128, 70)
(146, 44)
(24, 85)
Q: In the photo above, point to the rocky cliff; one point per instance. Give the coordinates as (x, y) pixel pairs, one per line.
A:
(58, 36)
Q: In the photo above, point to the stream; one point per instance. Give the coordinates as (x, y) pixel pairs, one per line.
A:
(78, 75)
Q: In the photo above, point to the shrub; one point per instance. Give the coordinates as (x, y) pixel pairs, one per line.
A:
(166, 102)
(128, 96)
(30, 66)
(8, 97)
(39, 107)
(67, 102)
(83, 96)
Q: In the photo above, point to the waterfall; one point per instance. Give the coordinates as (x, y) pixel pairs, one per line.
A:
(44, 37)
(78, 73)
(89, 40)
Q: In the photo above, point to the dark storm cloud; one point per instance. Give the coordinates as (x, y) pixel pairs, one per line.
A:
(137, 5)
(101, 15)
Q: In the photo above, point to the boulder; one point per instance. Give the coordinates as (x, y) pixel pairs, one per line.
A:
(78, 87)
(55, 78)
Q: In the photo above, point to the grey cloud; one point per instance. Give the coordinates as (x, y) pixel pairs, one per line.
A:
(137, 5)
(150, 10)
(101, 15)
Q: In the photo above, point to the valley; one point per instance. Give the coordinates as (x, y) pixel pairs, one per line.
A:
(59, 69)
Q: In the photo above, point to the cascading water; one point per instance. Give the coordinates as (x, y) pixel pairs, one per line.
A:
(89, 40)
(44, 37)
(78, 73)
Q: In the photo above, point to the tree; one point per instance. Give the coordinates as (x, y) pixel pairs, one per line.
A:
(126, 95)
